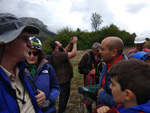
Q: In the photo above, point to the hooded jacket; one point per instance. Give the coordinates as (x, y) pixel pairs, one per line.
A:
(8, 100)
(46, 82)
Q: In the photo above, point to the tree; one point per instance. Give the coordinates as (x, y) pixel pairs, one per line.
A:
(96, 21)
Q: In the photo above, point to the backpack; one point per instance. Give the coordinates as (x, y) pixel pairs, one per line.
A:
(50, 58)
(90, 80)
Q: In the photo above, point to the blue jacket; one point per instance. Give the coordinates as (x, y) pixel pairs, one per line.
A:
(8, 101)
(46, 82)
(136, 109)
(105, 97)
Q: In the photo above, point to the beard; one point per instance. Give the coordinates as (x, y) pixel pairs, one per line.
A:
(61, 49)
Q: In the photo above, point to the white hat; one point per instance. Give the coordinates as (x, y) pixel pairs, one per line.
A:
(11, 27)
(139, 39)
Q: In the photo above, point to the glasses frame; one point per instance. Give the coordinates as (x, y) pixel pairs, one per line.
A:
(34, 53)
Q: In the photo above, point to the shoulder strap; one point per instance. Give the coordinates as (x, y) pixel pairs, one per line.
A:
(49, 72)
(88, 53)
(34, 88)
(51, 58)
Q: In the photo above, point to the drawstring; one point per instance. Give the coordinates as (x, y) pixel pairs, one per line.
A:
(22, 100)
(2, 53)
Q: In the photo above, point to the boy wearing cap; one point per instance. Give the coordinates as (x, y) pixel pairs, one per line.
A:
(130, 87)
(140, 46)
(16, 94)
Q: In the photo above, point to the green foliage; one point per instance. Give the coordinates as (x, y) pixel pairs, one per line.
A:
(86, 39)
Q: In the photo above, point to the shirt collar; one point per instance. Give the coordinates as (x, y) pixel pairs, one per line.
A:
(9, 75)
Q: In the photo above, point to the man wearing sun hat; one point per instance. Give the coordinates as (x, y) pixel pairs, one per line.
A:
(16, 94)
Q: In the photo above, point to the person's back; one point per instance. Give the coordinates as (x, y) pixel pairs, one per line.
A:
(16, 93)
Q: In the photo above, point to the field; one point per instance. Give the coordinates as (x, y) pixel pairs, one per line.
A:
(75, 104)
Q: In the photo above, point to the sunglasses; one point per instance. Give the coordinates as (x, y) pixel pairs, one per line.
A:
(25, 38)
(34, 53)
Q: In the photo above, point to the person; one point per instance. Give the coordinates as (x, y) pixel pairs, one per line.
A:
(43, 75)
(144, 56)
(16, 94)
(63, 69)
(89, 60)
(111, 50)
(140, 46)
(91, 63)
(127, 87)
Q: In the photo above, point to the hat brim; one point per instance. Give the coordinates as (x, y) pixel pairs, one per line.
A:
(13, 34)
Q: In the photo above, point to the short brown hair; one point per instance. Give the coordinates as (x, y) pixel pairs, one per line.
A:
(133, 74)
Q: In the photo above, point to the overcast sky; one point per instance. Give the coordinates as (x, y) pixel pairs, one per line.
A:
(130, 15)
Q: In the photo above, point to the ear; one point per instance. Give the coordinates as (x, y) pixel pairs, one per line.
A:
(129, 95)
(114, 52)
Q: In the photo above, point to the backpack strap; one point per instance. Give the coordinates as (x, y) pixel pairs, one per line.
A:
(49, 72)
(34, 88)
(88, 53)
(50, 58)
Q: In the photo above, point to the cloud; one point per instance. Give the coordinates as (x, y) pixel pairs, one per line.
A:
(129, 15)
(136, 8)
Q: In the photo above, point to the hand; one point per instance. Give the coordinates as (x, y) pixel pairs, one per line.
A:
(93, 71)
(103, 109)
(101, 89)
(74, 39)
(40, 97)
(46, 105)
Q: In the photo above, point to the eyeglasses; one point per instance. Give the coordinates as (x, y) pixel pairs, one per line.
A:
(34, 53)
(25, 38)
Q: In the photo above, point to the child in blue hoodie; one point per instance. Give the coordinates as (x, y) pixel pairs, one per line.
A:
(130, 87)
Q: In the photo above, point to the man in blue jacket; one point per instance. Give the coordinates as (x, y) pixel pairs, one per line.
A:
(111, 49)
(16, 94)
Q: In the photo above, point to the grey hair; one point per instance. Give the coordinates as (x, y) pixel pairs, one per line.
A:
(96, 45)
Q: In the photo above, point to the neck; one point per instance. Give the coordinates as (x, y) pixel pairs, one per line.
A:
(130, 104)
(9, 64)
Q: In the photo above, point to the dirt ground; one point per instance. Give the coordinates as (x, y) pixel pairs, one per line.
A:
(75, 104)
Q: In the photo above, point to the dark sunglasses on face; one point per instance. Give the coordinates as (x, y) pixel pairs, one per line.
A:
(34, 53)
(25, 38)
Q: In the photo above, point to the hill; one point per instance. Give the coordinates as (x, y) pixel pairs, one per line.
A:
(44, 32)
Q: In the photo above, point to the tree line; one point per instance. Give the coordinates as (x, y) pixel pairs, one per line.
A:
(86, 39)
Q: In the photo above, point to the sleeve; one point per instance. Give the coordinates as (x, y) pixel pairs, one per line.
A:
(82, 66)
(106, 99)
(112, 110)
(54, 86)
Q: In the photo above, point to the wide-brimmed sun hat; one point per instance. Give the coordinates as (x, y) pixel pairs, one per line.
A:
(11, 27)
